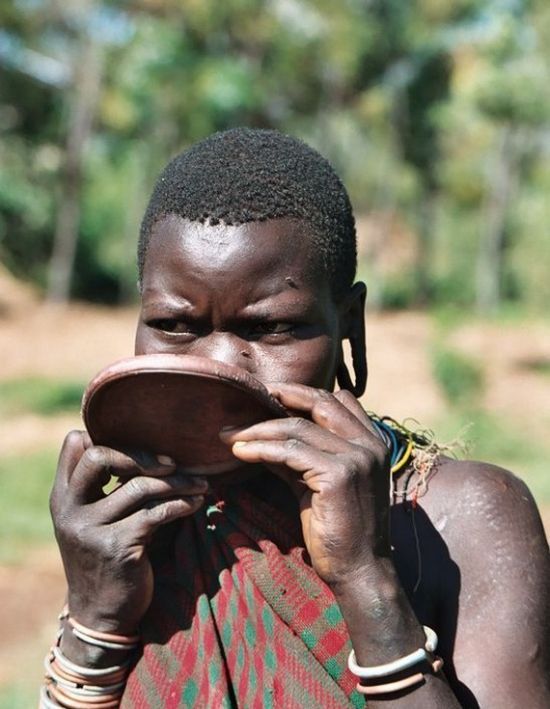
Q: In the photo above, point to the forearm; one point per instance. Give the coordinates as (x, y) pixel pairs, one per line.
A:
(383, 628)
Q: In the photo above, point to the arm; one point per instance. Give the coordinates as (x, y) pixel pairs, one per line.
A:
(339, 469)
(502, 644)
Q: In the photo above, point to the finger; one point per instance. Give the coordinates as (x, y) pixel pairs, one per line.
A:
(136, 492)
(99, 463)
(354, 407)
(293, 454)
(74, 445)
(295, 428)
(141, 524)
(323, 408)
(72, 450)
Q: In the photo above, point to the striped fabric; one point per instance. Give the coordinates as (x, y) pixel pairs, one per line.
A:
(239, 619)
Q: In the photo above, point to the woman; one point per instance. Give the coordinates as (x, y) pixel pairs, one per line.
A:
(293, 580)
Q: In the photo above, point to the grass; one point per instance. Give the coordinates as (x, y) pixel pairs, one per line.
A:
(540, 365)
(40, 396)
(25, 481)
(459, 377)
(491, 438)
(18, 696)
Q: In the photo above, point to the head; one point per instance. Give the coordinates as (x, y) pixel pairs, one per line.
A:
(247, 254)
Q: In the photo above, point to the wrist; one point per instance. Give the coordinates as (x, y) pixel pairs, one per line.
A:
(93, 648)
(372, 577)
(107, 617)
(380, 620)
(82, 668)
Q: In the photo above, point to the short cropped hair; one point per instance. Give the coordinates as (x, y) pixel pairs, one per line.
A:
(250, 175)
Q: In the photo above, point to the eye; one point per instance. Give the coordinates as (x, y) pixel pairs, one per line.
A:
(171, 325)
(273, 328)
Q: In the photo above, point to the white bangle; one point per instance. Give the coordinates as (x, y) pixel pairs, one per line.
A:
(105, 644)
(403, 663)
(90, 673)
(45, 701)
(78, 688)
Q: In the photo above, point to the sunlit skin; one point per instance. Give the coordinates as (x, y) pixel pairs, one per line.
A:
(252, 296)
(255, 296)
(249, 295)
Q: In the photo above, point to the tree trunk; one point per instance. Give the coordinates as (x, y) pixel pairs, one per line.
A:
(490, 260)
(425, 248)
(81, 112)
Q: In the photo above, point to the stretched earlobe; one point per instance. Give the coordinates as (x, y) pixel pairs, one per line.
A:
(344, 379)
(357, 338)
(343, 376)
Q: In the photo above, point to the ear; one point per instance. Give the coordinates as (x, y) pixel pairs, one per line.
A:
(353, 329)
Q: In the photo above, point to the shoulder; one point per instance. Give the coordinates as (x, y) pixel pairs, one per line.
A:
(492, 527)
(499, 618)
(475, 495)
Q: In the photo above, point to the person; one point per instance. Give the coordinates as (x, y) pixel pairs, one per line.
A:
(310, 576)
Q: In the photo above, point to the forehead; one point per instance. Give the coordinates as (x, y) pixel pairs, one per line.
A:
(256, 253)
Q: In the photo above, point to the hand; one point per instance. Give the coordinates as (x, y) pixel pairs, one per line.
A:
(103, 538)
(338, 467)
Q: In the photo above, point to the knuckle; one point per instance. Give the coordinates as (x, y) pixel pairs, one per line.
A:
(353, 467)
(61, 524)
(78, 531)
(72, 439)
(345, 397)
(349, 469)
(158, 513)
(71, 533)
(292, 444)
(380, 453)
(95, 457)
(54, 504)
(323, 407)
(299, 424)
(324, 399)
(136, 488)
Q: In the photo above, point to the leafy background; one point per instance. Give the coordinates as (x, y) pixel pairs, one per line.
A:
(436, 113)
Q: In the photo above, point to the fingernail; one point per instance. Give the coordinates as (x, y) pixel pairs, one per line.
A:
(239, 444)
(227, 429)
(165, 460)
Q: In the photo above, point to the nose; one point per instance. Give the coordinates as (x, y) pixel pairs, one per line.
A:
(226, 347)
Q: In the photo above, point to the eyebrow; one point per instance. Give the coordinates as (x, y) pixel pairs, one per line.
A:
(262, 309)
(173, 305)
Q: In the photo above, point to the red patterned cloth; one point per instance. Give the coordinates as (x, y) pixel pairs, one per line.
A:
(239, 618)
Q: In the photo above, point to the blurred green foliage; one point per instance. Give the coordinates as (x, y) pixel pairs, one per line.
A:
(435, 112)
(459, 377)
(40, 396)
(26, 481)
(18, 695)
(488, 437)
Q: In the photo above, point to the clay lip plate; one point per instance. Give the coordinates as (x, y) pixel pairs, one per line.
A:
(175, 405)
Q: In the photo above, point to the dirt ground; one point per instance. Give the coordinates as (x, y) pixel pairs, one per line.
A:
(78, 341)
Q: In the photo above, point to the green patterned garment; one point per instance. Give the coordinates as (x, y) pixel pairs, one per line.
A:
(239, 617)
